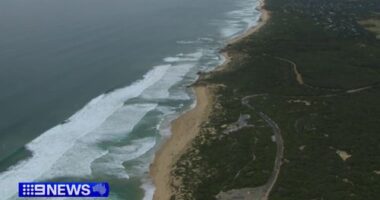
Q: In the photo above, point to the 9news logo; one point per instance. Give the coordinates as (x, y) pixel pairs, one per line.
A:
(35, 189)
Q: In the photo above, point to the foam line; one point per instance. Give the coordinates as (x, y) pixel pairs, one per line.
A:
(76, 162)
(55, 142)
(111, 164)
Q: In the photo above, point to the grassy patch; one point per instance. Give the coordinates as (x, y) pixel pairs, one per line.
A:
(372, 25)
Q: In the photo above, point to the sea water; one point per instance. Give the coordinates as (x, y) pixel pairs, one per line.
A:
(89, 87)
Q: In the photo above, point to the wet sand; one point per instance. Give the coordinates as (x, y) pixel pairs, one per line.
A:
(186, 127)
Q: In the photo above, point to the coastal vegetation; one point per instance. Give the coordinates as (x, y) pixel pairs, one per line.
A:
(311, 75)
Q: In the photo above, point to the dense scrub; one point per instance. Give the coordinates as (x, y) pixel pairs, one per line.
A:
(336, 109)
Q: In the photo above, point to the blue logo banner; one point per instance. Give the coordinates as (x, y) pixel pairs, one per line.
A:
(56, 189)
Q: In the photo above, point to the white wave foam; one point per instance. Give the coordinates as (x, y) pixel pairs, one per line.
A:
(206, 39)
(241, 19)
(184, 57)
(179, 94)
(55, 142)
(186, 42)
(233, 28)
(177, 59)
(160, 90)
(179, 67)
(201, 40)
(148, 188)
(166, 110)
(111, 164)
(55, 149)
(116, 127)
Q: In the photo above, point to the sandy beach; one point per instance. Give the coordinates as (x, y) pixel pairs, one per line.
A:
(263, 19)
(185, 128)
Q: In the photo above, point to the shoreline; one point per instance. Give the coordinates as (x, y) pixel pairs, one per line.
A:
(186, 127)
(264, 17)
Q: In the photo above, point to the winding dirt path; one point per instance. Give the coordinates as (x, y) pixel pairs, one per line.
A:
(360, 89)
(298, 75)
(267, 188)
(300, 81)
(263, 192)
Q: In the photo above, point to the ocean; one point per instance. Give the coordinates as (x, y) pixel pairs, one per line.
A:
(89, 87)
